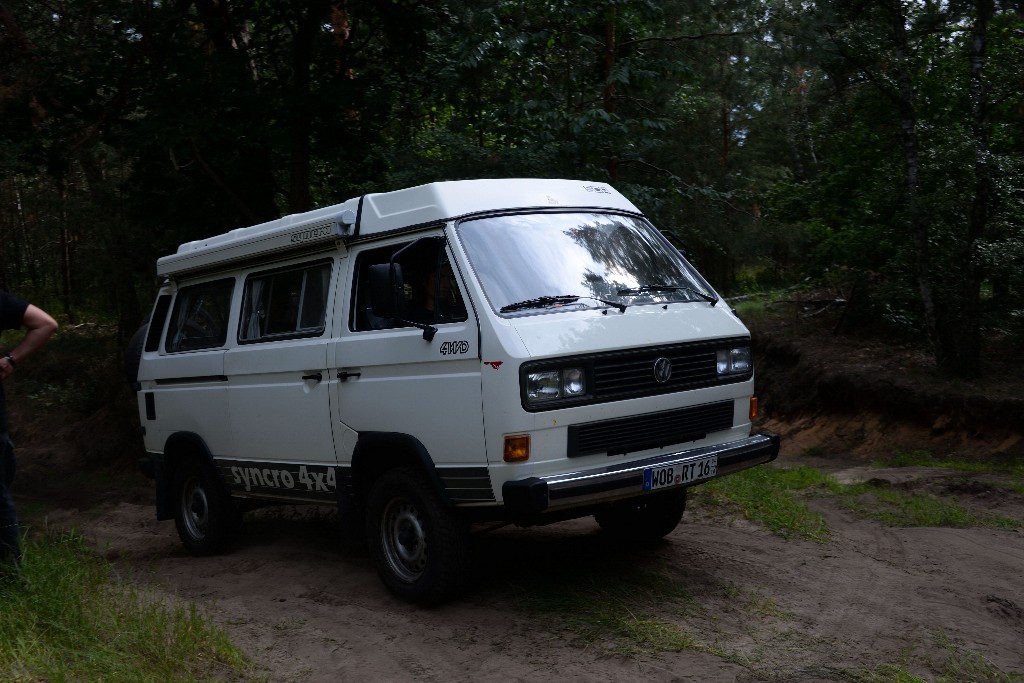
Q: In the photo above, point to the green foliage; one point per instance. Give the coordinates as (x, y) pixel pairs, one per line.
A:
(77, 373)
(768, 138)
(902, 147)
(71, 620)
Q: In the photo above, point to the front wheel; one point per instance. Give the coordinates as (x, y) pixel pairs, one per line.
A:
(203, 512)
(419, 546)
(644, 519)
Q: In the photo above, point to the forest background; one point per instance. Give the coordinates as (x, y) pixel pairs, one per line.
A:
(874, 147)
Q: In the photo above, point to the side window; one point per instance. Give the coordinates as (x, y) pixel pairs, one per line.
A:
(430, 291)
(285, 303)
(200, 317)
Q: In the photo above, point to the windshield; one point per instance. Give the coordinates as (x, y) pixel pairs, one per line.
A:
(534, 263)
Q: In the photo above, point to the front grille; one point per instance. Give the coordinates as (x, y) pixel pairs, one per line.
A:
(654, 430)
(630, 374)
(635, 374)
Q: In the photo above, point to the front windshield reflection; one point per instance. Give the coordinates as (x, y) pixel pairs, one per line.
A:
(594, 256)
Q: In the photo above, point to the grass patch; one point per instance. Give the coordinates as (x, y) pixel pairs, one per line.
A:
(887, 673)
(752, 309)
(898, 508)
(924, 458)
(617, 613)
(969, 665)
(72, 622)
(775, 497)
(772, 496)
(1012, 467)
(750, 601)
(960, 665)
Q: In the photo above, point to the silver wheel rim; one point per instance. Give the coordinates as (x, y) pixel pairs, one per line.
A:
(404, 539)
(195, 508)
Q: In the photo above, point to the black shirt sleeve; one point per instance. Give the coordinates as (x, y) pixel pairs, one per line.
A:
(12, 311)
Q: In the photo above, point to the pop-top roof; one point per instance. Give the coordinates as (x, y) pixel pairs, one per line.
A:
(387, 211)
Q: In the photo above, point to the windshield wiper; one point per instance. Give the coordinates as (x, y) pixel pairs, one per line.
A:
(545, 301)
(648, 289)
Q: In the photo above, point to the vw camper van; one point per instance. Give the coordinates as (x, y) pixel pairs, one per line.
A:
(431, 359)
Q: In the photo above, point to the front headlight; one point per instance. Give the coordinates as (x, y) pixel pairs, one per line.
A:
(736, 361)
(550, 385)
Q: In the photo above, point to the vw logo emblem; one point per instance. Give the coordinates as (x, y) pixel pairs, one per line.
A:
(662, 370)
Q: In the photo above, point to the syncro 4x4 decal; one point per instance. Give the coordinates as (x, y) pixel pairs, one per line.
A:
(284, 480)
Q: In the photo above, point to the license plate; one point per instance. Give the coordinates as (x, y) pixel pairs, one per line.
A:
(680, 473)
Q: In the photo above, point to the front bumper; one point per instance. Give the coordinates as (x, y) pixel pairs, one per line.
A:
(536, 495)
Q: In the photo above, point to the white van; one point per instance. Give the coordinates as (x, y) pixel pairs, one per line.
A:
(519, 350)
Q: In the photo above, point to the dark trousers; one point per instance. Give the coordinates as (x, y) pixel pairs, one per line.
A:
(10, 550)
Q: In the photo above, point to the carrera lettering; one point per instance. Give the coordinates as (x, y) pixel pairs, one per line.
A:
(311, 234)
(451, 348)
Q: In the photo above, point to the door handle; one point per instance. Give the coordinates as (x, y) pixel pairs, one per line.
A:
(316, 377)
(343, 375)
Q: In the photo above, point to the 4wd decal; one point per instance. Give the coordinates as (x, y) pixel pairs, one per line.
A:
(285, 480)
(453, 348)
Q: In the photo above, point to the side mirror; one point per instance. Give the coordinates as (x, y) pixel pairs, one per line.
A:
(386, 290)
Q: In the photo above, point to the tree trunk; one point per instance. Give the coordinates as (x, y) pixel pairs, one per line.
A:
(610, 49)
(65, 258)
(968, 360)
(303, 47)
(918, 223)
(117, 239)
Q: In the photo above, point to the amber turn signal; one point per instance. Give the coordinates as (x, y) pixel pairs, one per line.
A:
(517, 448)
(753, 407)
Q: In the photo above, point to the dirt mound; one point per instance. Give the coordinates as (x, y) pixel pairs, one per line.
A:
(871, 397)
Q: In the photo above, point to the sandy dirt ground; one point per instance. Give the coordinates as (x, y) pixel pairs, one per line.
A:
(751, 606)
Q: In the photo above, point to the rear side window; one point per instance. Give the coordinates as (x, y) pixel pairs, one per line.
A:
(200, 317)
(156, 322)
(284, 304)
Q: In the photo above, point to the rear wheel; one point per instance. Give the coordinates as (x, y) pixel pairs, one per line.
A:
(644, 519)
(419, 546)
(203, 512)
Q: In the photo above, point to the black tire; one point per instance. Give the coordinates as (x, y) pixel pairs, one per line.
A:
(204, 514)
(645, 519)
(133, 356)
(420, 547)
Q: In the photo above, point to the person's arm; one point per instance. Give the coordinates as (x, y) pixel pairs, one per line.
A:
(40, 327)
